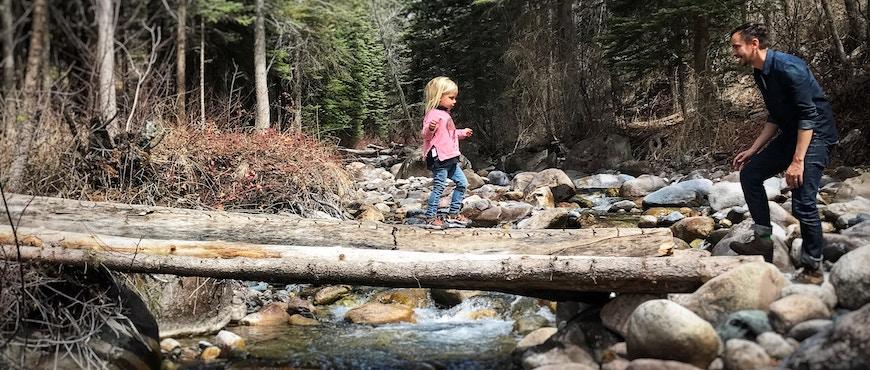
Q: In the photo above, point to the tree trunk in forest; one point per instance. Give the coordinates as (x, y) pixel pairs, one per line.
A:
(202, 73)
(857, 22)
(30, 88)
(181, 63)
(297, 88)
(391, 63)
(835, 35)
(262, 120)
(105, 13)
(514, 273)
(8, 47)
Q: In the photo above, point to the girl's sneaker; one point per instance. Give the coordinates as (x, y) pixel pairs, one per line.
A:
(457, 220)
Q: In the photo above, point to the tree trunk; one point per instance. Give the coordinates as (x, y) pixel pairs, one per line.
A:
(394, 70)
(297, 90)
(202, 73)
(513, 273)
(857, 22)
(29, 105)
(135, 221)
(181, 63)
(8, 46)
(105, 13)
(262, 120)
(835, 35)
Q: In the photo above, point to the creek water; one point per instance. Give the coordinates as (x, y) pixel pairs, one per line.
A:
(456, 338)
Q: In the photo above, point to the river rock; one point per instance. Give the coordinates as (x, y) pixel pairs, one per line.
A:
(557, 355)
(837, 245)
(854, 187)
(825, 292)
(775, 345)
(300, 320)
(780, 216)
(726, 194)
(745, 355)
(188, 305)
(522, 180)
(850, 277)
(616, 313)
(535, 338)
(528, 324)
(541, 198)
(642, 186)
(653, 364)
(746, 324)
(647, 221)
(330, 294)
(474, 180)
(665, 330)
(598, 182)
(169, 344)
(845, 346)
(498, 178)
(451, 297)
(797, 308)
(559, 183)
(623, 205)
(414, 166)
(410, 297)
(567, 366)
(210, 354)
(374, 313)
(672, 195)
(229, 341)
(809, 328)
(749, 286)
(272, 314)
(692, 228)
(553, 218)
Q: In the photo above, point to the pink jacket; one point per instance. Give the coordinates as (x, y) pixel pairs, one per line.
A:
(445, 138)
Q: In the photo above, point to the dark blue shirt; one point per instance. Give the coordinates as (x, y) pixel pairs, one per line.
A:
(794, 98)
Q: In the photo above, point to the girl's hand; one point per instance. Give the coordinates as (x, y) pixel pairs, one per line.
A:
(468, 132)
(432, 126)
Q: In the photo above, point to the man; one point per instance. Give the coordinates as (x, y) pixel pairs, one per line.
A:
(802, 115)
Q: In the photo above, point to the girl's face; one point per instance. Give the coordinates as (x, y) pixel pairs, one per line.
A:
(448, 100)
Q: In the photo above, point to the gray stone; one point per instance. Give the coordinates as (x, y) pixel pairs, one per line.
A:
(559, 355)
(791, 310)
(672, 195)
(642, 186)
(559, 183)
(851, 278)
(726, 195)
(825, 292)
(845, 346)
(665, 330)
(598, 182)
(624, 205)
(775, 345)
(647, 221)
(744, 355)
(616, 313)
(553, 218)
(809, 328)
(498, 178)
(653, 364)
(746, 324)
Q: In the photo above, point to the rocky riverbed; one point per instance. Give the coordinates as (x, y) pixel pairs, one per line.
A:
(751, 317)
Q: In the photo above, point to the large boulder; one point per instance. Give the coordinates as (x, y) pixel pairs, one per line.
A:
(851, 278)
(751, 286)
(692, 228)
(187, 305)
(854, 187)
(642, 186)
(664, 330)
(846, 346)
(552, 218)
(687, 193)
(559, 183)
(616, 313)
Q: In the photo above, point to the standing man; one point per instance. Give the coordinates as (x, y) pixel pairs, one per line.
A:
(802, 115)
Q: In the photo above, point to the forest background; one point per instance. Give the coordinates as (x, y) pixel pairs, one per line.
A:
(240, 103)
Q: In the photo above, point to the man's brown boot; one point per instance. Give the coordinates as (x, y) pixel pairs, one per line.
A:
(809, 275)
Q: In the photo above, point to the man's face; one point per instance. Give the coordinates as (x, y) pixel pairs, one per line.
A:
(743, 51)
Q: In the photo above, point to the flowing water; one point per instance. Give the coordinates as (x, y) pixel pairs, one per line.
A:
(440, 339)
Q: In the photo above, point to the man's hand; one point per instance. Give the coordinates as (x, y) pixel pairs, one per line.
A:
(741, 158)
(432, 126)
(794, 175)
(468, 132)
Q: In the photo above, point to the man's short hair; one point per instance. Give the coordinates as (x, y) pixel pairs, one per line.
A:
(753, 30)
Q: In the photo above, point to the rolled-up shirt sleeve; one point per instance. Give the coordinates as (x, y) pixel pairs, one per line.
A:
(799, 85)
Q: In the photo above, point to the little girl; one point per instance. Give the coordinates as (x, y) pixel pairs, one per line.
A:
(441, 149)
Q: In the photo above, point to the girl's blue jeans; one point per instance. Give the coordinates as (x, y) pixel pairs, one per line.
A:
(440, 176)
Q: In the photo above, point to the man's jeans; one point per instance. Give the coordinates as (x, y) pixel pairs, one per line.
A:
(776, 158)
(440, 175)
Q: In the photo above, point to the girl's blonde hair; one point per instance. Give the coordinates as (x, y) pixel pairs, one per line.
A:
(435, 89)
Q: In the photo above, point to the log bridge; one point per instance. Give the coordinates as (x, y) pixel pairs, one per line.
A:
(288, 249)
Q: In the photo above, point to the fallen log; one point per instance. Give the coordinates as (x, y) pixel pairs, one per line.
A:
(513, 273)
(138, 221)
